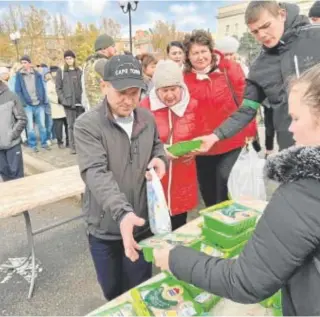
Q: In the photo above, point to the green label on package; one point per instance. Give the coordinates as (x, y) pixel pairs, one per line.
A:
(169, 298)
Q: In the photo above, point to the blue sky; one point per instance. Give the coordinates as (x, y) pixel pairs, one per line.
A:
(187, 15)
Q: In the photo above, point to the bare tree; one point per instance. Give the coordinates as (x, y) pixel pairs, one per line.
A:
(110, 27)
(162, 34)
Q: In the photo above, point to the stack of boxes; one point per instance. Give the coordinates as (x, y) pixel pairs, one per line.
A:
(227, 228)
(225, 231)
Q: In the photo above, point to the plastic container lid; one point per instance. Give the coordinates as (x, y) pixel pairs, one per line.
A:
(158, 241)
(225, 241)
(230, 218)
(185, 147)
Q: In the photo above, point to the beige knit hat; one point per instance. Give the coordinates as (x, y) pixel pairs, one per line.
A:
(167, 73)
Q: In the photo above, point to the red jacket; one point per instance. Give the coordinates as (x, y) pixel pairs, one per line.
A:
(217, 103)
(180, 183)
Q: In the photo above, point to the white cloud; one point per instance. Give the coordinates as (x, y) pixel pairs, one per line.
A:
(179, 9)
(191, 20)
(187, 16)
(87, 7)
(3, 11)
(155, 16)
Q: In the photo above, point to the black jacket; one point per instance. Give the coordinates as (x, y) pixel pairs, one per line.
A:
(280, 254)
(271, 71)
(69, 92)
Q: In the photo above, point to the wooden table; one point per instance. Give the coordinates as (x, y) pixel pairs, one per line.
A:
(22, 195)
(224, 307)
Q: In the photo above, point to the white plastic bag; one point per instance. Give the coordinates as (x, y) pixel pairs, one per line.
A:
(159, 217)
(246, 178)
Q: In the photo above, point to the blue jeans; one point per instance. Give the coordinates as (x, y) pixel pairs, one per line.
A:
(36, 115)
(49, 126)
(115, 272)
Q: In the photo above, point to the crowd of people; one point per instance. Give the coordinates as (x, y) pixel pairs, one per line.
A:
(121, 113)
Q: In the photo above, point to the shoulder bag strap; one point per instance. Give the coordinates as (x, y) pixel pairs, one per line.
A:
(231, 88)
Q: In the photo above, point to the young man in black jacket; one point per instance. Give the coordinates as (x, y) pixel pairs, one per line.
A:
(290, 45)
(13, 120)
(69, 91)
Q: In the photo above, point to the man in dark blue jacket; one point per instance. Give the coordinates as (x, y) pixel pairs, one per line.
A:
(31, 91)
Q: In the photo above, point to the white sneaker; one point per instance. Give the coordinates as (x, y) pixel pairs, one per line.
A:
(49, 143)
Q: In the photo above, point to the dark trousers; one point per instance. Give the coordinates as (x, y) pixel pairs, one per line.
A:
(11, 163)
(269, 128)
(284, 139)
(115, 272)
(213, 173)
(58, 128)
(72, 115)
(178, 221)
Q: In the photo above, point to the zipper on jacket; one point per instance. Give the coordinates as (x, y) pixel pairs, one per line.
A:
(170, 162)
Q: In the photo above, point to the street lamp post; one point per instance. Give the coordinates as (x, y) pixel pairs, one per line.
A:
(127, 7)
(15, 37)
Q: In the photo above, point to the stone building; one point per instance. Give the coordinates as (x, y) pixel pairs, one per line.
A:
(231, 18)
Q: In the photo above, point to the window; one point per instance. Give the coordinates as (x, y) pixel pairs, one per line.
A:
(227, 29)
(236, 28)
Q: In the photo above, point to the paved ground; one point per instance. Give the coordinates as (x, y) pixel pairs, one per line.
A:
(59, 158)
(67, 284)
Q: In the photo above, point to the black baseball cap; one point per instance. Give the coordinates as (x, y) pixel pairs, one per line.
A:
(123, 72)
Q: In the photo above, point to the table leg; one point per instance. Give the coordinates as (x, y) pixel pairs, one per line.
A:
(32, 249)
(30, 236)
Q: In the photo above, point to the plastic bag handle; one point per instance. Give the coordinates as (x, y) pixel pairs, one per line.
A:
(153, 174)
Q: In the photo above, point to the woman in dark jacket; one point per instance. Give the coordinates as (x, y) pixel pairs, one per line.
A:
(69, 91)
(284, 252)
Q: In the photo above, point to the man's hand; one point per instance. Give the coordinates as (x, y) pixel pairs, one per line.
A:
(159, 166)
(130, 245)
(207, 142)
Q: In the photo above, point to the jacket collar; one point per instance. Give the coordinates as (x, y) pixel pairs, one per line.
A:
(139, 122)
(23, 71)
(297, 162)
(179, 109)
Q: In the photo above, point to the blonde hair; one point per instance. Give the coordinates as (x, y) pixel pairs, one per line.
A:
(310, 79)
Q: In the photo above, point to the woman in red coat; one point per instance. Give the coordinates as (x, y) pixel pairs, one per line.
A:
(177, 120)
(218, 85)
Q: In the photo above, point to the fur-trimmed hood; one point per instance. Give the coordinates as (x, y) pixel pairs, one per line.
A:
(295, 163)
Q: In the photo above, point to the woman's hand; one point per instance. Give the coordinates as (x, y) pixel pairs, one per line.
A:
(190, 156)
(161, 257)
(169, 155)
